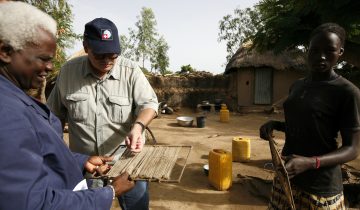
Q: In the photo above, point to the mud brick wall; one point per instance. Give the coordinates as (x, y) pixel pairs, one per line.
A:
(190, 90)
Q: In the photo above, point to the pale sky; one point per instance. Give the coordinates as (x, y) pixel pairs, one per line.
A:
(190, 27)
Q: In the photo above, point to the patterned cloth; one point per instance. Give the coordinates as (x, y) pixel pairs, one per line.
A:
(303, 200)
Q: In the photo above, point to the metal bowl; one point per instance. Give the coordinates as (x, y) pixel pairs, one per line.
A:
(185, 121)
(206, 169)
(205, 102)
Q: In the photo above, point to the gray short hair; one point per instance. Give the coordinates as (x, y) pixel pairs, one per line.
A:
(20, 23)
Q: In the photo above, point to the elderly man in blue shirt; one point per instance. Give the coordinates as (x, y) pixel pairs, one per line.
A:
(38, 171)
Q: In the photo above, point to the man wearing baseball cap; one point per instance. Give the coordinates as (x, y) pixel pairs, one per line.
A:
(106, 100)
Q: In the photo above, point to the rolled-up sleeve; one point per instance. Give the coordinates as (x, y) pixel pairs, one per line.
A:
(143, 94)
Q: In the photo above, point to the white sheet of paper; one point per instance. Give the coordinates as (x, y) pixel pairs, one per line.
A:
(81, 186)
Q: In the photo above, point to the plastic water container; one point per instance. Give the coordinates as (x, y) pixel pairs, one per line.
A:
(241, 149)
(224, 113)
(220, 169)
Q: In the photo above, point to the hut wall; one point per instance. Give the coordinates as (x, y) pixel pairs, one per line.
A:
(245, 87)
(282, 81)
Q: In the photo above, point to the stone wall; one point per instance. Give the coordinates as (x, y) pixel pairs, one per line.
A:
(190, 90)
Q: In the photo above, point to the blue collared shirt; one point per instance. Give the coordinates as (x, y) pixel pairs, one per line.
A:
(38, 171)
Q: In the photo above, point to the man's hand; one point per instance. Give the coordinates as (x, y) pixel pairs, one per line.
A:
(266, 130)
(122, 184)
(98, 164)
(134, 139)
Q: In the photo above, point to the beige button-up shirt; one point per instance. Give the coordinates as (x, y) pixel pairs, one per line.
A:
(100, 112)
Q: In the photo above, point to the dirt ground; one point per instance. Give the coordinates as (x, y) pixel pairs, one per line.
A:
(194, 190)
(251, 181)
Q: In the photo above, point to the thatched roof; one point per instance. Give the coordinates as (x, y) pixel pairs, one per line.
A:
(245, 57)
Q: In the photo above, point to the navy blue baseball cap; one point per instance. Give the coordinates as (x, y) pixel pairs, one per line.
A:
(102, 36)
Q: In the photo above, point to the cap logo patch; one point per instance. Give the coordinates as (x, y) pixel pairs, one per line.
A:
(106, 34)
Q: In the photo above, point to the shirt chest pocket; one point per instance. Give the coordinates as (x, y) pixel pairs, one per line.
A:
(78, 106)
(120, 109)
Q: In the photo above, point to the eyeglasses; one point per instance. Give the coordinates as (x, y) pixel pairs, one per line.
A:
(109, 56)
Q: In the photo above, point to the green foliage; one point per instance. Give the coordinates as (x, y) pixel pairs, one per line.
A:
(60, 10)
(127, 47)
(167, 72)
(143, 43)
(145, 35)
(159, 59)
(279, 25)
(238, 28)
(186, 69)
(288, 23)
